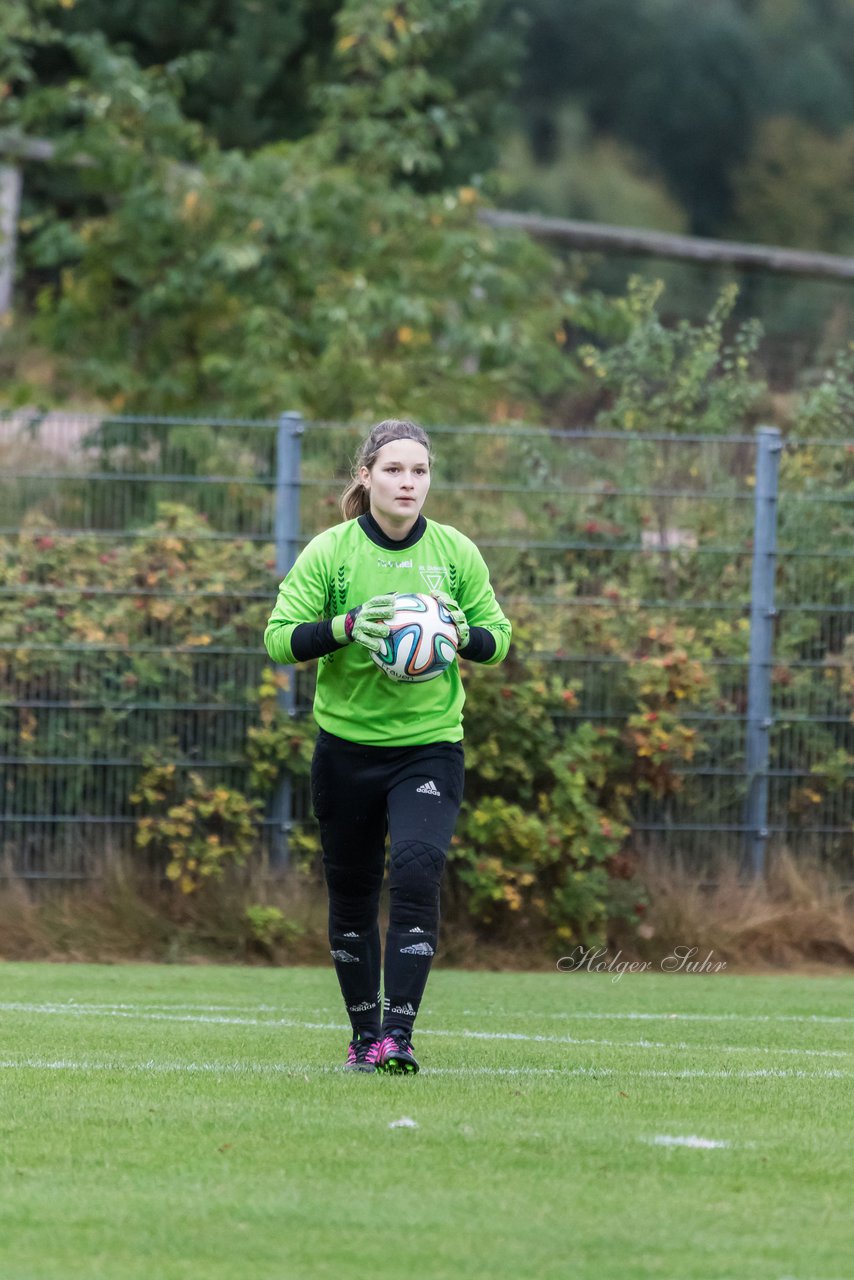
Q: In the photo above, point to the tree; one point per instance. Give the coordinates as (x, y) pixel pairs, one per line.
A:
(24, 27)
(249, 68)
(590, 176)
(690, 109)
(686, 85)
(587, 51)
(252, 70)
(676, 80)
(398, 102)
(810, 47)
(794, 188)
(303, 274)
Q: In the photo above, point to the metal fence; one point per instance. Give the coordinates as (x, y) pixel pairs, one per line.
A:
(140, 560)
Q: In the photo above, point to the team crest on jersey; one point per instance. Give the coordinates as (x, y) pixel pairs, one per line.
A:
(434, 575)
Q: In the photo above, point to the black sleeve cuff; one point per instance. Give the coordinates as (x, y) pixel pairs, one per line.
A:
(481, 646)
(313, 640)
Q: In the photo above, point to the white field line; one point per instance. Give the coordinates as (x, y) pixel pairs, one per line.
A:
(112, 1011)
(689, 1140)
(309, 1069)
(681, 1017)
(571, 1016)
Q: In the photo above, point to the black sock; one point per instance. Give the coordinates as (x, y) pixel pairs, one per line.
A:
(408, 956)
(357, 964)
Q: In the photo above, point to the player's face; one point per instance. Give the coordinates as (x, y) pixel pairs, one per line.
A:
(398, 484)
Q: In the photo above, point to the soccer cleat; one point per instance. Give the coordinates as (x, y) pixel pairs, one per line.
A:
(394, 1054)
(362, 1054)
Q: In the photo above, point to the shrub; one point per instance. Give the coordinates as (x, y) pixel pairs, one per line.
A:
(203, 830)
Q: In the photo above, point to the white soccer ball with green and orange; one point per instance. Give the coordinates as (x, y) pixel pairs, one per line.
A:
(422, 640)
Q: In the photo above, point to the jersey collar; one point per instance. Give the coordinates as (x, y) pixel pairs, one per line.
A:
(372, 530)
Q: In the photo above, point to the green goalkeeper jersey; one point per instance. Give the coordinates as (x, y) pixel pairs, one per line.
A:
(344, 567)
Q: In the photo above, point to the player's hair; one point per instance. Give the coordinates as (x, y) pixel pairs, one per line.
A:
(355, 500)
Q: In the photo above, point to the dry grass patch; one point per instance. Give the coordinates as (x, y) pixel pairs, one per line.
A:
(127, 914)
(800, 913)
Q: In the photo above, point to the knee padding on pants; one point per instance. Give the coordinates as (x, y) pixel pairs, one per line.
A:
(416, 871)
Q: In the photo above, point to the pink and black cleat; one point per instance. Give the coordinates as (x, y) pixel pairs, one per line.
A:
(362, 1054)
(394, 1054)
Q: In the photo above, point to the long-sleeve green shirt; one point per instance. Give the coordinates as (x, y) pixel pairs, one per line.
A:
(347, 565)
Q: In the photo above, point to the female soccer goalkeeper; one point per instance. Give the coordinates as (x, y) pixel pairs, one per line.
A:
(389, 757)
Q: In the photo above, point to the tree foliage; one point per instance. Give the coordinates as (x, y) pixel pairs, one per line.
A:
(257, 73)
(589, 175)
(794, 187)
(247, 284)
(26, 30)
(397, 102)
(690, 86)
(685, 379)
(310, 273)
(249, 67)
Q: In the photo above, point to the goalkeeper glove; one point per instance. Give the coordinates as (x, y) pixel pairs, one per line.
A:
(366, 624)
(457, 617)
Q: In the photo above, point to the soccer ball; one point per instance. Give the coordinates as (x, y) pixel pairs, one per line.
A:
(422, 640)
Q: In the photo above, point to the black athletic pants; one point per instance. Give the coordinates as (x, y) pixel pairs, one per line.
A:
(361, 793)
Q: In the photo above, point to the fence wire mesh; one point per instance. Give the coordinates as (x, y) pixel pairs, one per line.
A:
(139, 568)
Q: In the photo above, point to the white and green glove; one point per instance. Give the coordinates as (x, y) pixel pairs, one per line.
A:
(457, 616)
(366, 624)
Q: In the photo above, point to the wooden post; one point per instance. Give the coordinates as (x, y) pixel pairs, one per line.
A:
(600, 237)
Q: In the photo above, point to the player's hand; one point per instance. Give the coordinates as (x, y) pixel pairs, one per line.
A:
(367, 624)
(457, 616)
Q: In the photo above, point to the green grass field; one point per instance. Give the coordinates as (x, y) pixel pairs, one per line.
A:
(172, 1122)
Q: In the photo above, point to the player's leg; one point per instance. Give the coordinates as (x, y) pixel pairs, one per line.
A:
(423, 806)
(348, 797)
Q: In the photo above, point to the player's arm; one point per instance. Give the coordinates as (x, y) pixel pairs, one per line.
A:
(297, 631)
(485, 632)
